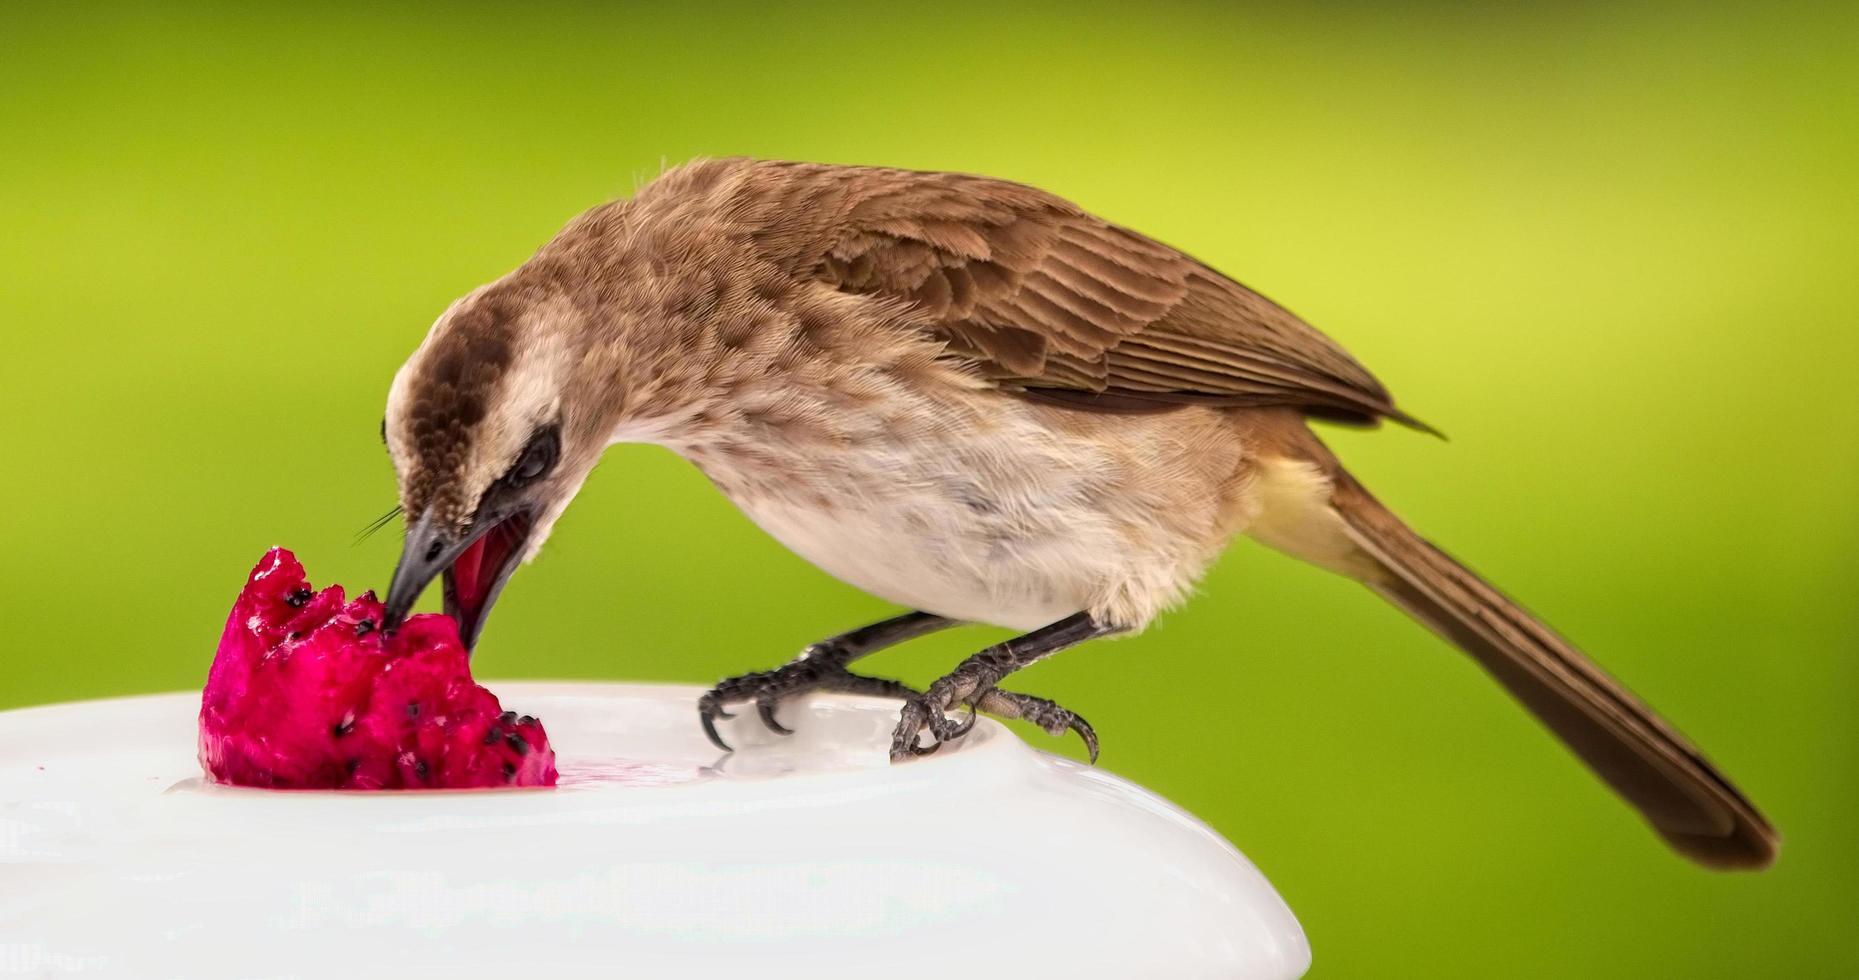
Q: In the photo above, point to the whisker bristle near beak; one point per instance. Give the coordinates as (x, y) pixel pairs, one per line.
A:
(374, 527)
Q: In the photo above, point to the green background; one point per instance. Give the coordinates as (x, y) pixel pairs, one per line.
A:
(1614, 254)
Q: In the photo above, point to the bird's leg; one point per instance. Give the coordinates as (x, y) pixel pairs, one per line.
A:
(973, 683)
(820, 667)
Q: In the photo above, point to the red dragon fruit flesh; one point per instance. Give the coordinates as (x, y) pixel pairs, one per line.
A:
(306, 693)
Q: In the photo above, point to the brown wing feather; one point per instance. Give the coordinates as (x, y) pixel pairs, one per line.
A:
(1045, 297)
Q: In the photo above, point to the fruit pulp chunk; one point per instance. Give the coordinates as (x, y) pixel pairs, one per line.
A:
(305, 692)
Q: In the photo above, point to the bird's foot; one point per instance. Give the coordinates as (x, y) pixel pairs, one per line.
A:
(1049, 716)
(930, 713)
(768, 688)
(922, 714)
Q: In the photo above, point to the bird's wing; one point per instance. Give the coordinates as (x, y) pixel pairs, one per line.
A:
(1045, 297)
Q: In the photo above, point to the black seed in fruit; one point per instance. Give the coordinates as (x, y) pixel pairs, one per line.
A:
(413, 709)
(299, 598)
(508, 717)
(490, 736)
(420, 769)
(526, 720)
(364, 627)
(345, 726)
(509, 770)
(517, 742)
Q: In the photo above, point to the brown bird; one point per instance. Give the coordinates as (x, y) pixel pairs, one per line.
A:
(975, 400)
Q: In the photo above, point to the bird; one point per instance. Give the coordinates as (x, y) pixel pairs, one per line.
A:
(975, 400)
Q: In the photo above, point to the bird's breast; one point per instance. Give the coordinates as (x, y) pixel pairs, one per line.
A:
(979, 507)
(935, 525)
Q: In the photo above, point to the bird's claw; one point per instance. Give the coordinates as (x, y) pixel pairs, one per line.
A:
(765, 706)
(1047, 715)
(921, 714)
(925, 714)
(907, 740)
(768, 689)
(709, 709)
(1089, 737)
(1086, 734)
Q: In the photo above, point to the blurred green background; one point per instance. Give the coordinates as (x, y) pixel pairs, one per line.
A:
(1614, 254)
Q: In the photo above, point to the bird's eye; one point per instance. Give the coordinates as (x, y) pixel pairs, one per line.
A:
(537, 458)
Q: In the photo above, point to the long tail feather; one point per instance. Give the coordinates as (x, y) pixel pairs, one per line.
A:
(1692, 805)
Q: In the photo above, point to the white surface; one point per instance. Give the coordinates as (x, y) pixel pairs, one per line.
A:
(807, 856)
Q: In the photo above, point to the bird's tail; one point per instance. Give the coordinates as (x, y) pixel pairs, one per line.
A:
(1692, 805)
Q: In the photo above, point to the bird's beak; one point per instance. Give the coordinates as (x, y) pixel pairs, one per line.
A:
(475, 564)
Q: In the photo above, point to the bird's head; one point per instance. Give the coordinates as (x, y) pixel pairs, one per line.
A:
(493, 424)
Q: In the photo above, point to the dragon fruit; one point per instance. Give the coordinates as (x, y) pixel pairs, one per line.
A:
(305, 692)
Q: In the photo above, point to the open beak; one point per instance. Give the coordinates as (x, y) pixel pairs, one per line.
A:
(475, 566)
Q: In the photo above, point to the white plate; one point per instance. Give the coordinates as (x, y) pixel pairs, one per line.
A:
(804, 856)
